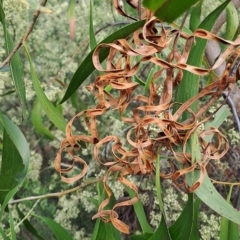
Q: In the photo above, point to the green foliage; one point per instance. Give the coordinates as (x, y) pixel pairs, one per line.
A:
(167, 10)
(49, 78)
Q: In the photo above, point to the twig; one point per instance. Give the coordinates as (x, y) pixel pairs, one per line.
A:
(27, 215)
(232, 106)
(58, 194)
(225, 183)
(139, 9)
(171, 55)
(110, 25)
(24, 38)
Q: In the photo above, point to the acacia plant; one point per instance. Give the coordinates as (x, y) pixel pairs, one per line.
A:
(153, 77)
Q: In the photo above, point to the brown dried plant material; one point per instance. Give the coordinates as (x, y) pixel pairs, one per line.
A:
(125, 58)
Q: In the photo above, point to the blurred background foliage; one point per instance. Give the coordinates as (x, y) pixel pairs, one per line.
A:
(56, 59)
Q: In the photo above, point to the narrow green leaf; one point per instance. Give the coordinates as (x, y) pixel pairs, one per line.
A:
(139, 210)
(15, 65)
(98, 225)
(111, 232)
(29, 226)
(15, 157)
(99, 231)
(153, 5)
(37, 121)
(71, 17)
(169, 10)
(189, 85)
(75, 101)
(138, 80)
(71, 10)
(7, 199)
(87, 67)
(12, 227)
(17, 138)
(104, 230)
(210, 196)
(93, 42)
(158, 185)
(219, 118)
(182, 228)
(233, 231)
(5, 237)
(228, 229)
(93, 201)
(108, 88)
(194, 233)
(51, 111)
(232, 21)
(162, 231)
(60, 232)
(149, 79)
(195, 17)
(11, 167)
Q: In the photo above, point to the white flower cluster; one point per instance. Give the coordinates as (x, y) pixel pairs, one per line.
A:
(209, 226)
(35, 164)
(84, 197)
(81, 234)
(234, 136)
(12, 7)
(155, 214)
(68, 210)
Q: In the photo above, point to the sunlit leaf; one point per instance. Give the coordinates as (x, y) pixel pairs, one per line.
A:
(51, 111)
(211, 197)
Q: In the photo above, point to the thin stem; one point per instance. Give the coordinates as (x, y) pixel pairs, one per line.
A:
(28, 214)
(233, 108)
(24, 38)
(58, 194)
(177, 37)
(139, 9)
(225, 183)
